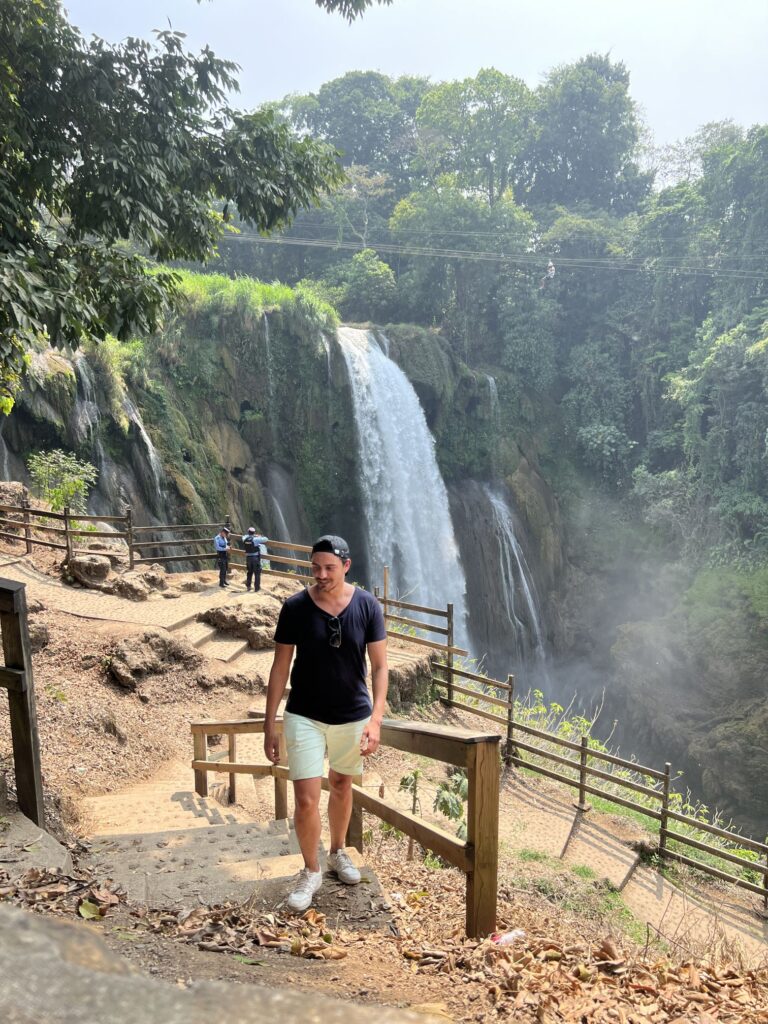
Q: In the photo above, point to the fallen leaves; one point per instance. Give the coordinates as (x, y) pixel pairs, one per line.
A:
(52, 891)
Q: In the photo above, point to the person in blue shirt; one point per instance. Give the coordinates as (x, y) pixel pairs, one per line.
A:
(222, 546)
(331, 627)
(252, 545)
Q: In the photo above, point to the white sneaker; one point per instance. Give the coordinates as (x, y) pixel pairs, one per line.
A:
(341, 863)
(305, 888)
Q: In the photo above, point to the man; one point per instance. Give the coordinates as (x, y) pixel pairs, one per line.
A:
(330, 626)
(252, 544)
(222, 545)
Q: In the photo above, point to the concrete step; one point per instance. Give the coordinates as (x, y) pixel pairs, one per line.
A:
(155, 810)
(197, 633)
(215, 864)
(223, 647)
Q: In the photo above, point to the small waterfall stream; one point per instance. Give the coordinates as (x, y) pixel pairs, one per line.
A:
(516, 582)
(408, 524)
(5, 467)
(85, 414)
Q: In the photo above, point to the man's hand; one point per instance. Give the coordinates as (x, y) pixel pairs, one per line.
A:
(369, 741)
(272, 745)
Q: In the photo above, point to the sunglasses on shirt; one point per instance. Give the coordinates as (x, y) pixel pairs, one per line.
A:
(334, 629)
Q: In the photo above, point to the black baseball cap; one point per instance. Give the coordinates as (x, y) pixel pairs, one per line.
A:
(225, 529)
(333, 545)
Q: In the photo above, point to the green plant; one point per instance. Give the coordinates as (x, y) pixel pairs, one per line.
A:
(451, 798)
(61, 479)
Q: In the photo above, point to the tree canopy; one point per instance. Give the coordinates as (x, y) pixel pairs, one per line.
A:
(112, 154)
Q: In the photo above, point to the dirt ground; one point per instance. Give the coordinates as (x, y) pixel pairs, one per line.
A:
(582, 957)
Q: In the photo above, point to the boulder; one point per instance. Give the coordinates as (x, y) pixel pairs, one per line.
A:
(193, 586)
(115, 551)
(151, 654)
(233, 681)
(254, 623)
(61, 971)
(92, 570)
(39, 636)
(130, 585)
(13, 493)
(155, 577)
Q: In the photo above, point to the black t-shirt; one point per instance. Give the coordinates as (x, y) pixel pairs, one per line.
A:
(328, 684)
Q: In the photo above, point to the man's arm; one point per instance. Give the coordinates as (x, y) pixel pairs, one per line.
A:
(377, 655)
(278, 679)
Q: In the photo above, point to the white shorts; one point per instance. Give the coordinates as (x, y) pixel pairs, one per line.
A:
(307, 742)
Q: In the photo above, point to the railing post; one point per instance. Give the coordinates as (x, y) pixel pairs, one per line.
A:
(67, 533)
(510, 720)
(385, 600)
(232, 794)
(27, 534)
(129, 534)
(449, 652)
(765, 881)
(582, 805)
(664, 810)
(281, 785)
(355, 827)
(482, 836)
(199, 740)
(17, 678)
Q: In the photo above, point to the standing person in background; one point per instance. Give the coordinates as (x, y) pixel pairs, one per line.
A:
(222, 546)
(252, 545)
(330, 626)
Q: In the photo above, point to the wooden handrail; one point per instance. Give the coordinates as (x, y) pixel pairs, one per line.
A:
(477, 752)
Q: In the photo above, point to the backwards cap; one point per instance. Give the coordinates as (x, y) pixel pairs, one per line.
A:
(333, 545)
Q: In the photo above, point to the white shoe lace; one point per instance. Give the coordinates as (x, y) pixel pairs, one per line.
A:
(304, 883)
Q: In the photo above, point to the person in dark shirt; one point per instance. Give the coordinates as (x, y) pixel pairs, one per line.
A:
(330, 626)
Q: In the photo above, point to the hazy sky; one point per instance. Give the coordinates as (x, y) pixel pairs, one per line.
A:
(691, 61)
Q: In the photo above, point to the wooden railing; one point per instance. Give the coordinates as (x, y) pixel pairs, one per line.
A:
(16, 678)
(476, 753)
(64, 531)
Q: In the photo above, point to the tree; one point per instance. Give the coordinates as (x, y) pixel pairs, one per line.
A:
(479, 129)
(61, 479)
(109, 154)
(587, 136)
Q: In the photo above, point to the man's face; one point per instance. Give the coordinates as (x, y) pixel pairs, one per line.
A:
(328, 570)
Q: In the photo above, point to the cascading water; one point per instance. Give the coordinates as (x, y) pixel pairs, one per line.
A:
(153, 459)
(85, 413)
(408, 524)
(516, 580)
(5, 467)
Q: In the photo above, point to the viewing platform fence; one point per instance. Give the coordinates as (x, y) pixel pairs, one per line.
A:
(475, 752)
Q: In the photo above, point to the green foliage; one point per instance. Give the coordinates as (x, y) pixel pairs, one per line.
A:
(363, 288)
(106, 148)
(61, 479)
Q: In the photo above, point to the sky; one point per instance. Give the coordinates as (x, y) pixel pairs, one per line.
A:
(690, 61)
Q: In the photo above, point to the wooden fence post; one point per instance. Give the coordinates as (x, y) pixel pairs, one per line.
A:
(355, 827)
(664, 810)
(582, 805)
(129, 534)
(199, 740)
(281, 785)
(385, 600)
(232, 794)
(16, 677)
(482, 836)
(510, 720)
(67, 533)
(449, 652)
(27, 534)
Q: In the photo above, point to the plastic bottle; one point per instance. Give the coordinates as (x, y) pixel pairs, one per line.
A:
(507, 938)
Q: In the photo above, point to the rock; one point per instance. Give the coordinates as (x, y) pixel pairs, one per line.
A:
(155, 577)
(192, 586)
(409, 682)
(152, 653)
(130, 585)
(116, 556)
(110, 726)
(243, 621)
(39, 636)
(62, 971)
(34, 606)
(89, 660)
(233, 681)
(13, 493)
(92, 570)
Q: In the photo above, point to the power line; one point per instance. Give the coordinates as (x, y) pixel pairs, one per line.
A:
(637, 264)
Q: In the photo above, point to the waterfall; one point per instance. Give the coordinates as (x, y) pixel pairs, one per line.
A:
(516, 580)
(85, 414)
(155, 465)
(407, 521)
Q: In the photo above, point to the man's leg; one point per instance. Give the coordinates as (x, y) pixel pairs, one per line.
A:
(306, 819)
(339, 808)
(248, 572)
(222, 571)
(256, 575)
